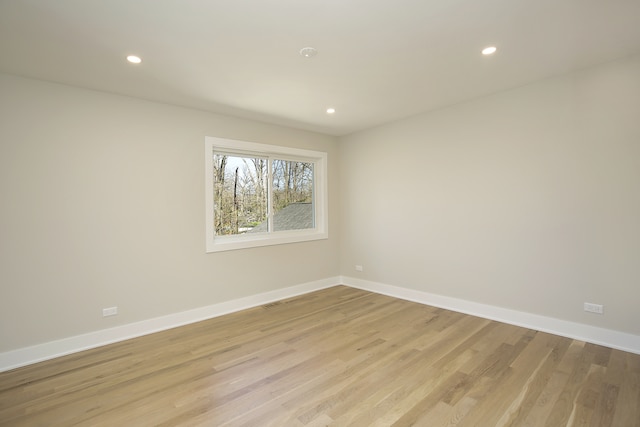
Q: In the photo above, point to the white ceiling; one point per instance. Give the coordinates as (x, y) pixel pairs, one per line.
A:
(377, 60)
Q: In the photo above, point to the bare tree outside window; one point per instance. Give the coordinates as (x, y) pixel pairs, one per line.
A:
(292, 195)
(240, 198)
(241, 194)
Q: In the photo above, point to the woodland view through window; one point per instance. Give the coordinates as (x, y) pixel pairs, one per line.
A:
(260, 194)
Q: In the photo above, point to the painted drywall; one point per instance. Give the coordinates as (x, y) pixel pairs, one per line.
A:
(102, 204)
(527, 200)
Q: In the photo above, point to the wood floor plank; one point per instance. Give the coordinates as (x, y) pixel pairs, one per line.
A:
(536, 383)
(336, 357)
(627, 379)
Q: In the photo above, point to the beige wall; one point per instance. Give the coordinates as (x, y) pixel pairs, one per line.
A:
(528, 199)
(102, 204)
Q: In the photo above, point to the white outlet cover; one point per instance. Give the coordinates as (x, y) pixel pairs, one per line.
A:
(594, 308)
(111, 311)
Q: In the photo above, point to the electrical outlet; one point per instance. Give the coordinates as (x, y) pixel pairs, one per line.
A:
(359, 268)
(111, 311)
(594, 308)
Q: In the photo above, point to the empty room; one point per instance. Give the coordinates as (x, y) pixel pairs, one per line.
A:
(319, 213)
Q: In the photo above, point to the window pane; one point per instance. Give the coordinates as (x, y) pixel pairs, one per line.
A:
(292, 192)
(240, 195)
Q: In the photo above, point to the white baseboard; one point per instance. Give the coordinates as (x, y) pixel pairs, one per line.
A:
(37, 353)
(579, 331)
(49, 350)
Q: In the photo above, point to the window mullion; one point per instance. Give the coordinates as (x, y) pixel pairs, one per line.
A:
(269, 188)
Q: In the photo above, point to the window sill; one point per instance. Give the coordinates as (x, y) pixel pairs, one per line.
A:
(230, 243)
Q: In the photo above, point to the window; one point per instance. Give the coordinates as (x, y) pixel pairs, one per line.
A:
(258, 194)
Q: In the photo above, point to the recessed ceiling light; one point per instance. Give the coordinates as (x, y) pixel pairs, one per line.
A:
(134, 59)
(489, 50)
(308, 52)
(331, 110)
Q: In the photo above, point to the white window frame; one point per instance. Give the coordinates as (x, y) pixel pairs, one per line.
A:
(216, 243)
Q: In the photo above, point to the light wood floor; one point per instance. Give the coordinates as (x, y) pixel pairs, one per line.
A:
(340, 357)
